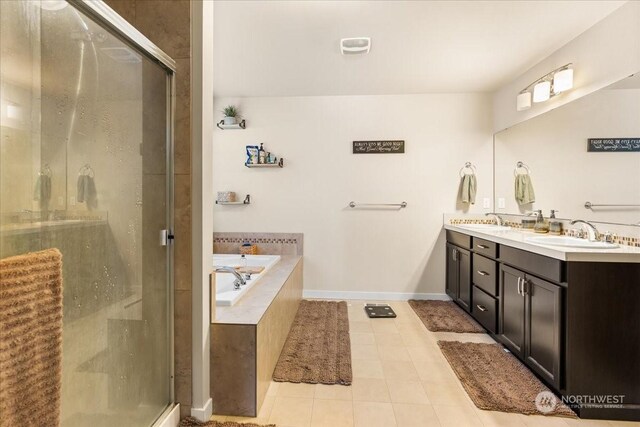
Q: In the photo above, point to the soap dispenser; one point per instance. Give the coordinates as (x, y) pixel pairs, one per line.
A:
(542, 226)
(555, 226)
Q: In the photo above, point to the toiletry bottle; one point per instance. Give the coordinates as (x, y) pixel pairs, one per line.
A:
(553, 214)
(542, 226)
(262, 155)
(243, 261)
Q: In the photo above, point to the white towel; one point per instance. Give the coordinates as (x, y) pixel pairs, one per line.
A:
(468, 185)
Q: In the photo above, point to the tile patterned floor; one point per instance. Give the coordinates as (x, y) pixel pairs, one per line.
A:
(401, 379)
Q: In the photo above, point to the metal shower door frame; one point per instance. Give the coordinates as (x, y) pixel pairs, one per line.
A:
(99, 11)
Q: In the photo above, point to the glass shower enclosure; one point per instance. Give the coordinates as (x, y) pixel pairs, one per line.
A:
(86, 106)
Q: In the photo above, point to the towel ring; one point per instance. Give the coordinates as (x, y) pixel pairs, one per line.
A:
(521, 165)
(467, 165)
(86, 170)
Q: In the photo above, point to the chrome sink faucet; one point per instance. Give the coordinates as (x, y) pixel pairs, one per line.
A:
(592, 232)
(239, 280)
(498, 218)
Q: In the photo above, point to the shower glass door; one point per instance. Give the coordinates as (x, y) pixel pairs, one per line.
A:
(86, 167)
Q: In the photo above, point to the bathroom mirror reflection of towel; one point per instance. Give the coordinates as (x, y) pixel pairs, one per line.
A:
(86, 188)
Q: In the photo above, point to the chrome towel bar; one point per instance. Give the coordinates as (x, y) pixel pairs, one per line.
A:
(589, 205)
(373, 205)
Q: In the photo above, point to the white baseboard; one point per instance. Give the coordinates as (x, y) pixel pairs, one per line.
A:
(203, 414)
(372, 296)
(172, 419)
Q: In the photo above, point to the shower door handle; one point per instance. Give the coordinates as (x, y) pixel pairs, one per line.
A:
(166, 237)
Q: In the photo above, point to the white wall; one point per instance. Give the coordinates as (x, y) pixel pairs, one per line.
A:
(355, 250)
(604, 54)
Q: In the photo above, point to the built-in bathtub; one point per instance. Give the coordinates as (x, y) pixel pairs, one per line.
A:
(226, 295)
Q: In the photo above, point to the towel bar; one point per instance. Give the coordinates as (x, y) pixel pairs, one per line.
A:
(370, 205)
(589, 205)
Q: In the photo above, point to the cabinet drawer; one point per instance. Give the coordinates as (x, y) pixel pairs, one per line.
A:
(485, 274)
(485, 247)
(538, 265)
(485, 309)
(459, 239)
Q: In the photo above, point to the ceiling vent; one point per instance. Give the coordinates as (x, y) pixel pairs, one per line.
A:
(355, 45)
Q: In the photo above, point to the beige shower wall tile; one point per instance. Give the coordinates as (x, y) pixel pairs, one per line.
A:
(182, 131)
(182, 220)
(167, 24)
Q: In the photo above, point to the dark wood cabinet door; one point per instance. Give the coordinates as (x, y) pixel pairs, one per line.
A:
(464, 279)
(543, 323)
(512, 307)
(452, 271)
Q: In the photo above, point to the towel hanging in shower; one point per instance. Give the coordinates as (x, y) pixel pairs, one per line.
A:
(86, 188)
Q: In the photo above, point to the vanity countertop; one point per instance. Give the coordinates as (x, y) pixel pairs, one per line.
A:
(517, 239)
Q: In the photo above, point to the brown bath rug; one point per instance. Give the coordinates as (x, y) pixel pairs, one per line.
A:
(496, 381)
(192, 422)
(318, 349)
(444, 316)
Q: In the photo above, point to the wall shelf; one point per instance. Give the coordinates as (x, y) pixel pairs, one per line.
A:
(280, 164)
(241, 125)
(246, 201)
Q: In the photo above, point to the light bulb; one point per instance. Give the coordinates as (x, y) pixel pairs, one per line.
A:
(563, 80)
(523, 101)
(542, 91)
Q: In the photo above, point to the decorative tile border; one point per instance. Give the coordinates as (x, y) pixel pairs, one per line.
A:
(566, 231)
(268, 243)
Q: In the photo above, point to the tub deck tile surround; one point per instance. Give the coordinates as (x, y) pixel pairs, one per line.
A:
(247, 338)
(268, 243)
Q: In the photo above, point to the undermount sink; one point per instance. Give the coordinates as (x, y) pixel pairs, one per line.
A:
(486, 227)
(570, 242)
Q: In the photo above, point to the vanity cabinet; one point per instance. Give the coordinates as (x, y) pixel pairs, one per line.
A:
(459, 275)
(531, 322)
(574, 323)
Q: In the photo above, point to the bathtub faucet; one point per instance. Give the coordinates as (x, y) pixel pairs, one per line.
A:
(239, 280)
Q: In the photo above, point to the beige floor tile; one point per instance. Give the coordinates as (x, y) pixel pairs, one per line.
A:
(624, 423)
(332, 413)
(399, 370)
(370, 390)
(393, 352)
(408, 415)
(413, 338)
(373, 414)
(410, 327)
(362, 338)
(577, 422)
(367, 369)
(457, 416)
(358, 315)
(425, 353)
(296, 390)
(218, 418)
(364, 352)
(499, 419)
(542, 421)
(446, 393)
(384, 326)
(407, 392)
(435, 372)
(335, 392)
(273, 388)
(291, 411)
(360, 327)
(389, 339)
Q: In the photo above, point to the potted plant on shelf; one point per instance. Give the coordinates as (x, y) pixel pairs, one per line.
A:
(230, 115)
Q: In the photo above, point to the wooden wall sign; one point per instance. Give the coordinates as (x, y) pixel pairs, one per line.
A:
(378, 147)
(612, 145)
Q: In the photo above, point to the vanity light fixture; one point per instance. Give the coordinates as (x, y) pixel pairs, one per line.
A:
(547, 86)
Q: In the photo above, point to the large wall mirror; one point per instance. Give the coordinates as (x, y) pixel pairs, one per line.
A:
(563, 173)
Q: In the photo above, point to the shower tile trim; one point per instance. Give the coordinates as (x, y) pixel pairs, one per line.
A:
(268, 243)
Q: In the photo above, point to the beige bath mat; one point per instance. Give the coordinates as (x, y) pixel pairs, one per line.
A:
(444, 316)
(318, 349)
(497, 381)
(192, 422)
(31, 339)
